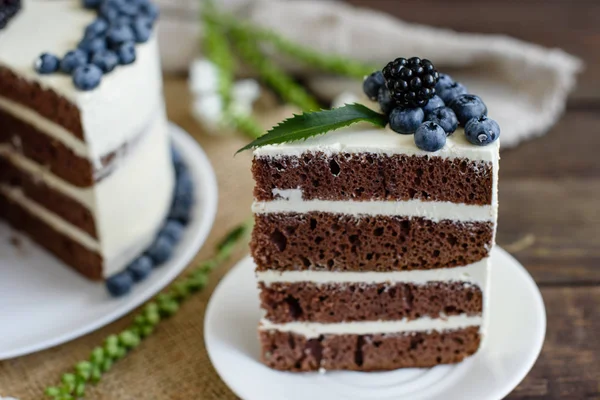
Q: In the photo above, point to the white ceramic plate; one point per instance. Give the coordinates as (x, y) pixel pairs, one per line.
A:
(515, 338)
(43, 303)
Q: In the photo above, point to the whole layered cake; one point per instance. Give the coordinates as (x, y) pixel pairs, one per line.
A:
(372, 246)
(86, 168)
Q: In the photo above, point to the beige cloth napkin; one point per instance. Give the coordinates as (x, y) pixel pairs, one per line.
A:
(525, 86)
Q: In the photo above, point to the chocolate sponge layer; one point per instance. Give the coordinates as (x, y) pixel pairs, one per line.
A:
(365, 176)
(291, 352)
(340, 242)
(345, 302)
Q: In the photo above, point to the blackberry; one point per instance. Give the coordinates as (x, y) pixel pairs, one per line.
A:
(411, 82)
(8, 9)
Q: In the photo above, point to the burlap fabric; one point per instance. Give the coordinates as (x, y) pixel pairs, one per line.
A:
(172, 363)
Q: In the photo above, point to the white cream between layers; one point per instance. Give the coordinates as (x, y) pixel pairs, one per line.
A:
(291, 201)
(112, 113)
(315, 329)
(129, 206)
(70, 231)
(474, 274)
(83, 195)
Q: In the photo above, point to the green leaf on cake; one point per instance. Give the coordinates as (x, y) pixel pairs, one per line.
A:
(309, 124)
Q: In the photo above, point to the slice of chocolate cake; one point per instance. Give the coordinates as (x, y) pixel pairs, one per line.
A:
(372, 247)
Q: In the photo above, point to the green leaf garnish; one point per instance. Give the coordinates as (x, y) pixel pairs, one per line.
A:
(308, 124)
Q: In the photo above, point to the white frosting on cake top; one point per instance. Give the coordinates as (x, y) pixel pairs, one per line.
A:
(379, 141)
(113, 113)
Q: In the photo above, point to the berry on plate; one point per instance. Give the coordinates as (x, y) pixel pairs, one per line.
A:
(120, 284)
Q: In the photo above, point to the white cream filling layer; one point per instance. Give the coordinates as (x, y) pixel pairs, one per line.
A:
(475, 274)
(291, 201)
(56, 222)
(84, 196)
(315, 329)
(129, 206)
(42, 124)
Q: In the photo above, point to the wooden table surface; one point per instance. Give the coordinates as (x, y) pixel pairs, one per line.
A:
(550, 187)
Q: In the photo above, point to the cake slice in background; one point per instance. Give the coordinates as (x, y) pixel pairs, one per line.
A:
(85, 160)
(372, 247)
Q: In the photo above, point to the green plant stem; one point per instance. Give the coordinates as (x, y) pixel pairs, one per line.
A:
(166, 304)
(332, 63)
(217, 50)
(270, 73)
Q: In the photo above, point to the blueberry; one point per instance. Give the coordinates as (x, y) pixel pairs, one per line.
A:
(385, 101)
(467, 106)
(92, 45)
(448, 93)
(142, 29)
(47, 63)
(109, 11)
(72, 60)
(126, 53)
(432, 104)
(173, 230)
(119, 284)
(482, 131)
(98, 27)
(149, 10)
(140, 268)
(91, 3)
(87, 77)
(105, 59)
(128, 7)
(184, 184)
(430, 136)
(181, 211)
(444, 117)
(178, 162)
(406, 120)
(443, 81)
(118, 34)
(372, 84)
(123, 20)
(161, 250)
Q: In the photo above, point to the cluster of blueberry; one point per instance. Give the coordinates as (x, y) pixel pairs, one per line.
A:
(417, 99)
(107, 42)
(162, 247)
(8, 9)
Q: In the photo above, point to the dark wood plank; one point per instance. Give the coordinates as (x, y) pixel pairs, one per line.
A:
(569, 150)
(572, 26)
(553, 228)
(569, 365)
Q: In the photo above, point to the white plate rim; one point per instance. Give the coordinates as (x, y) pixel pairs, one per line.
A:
(508, 386)
(206, 185)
